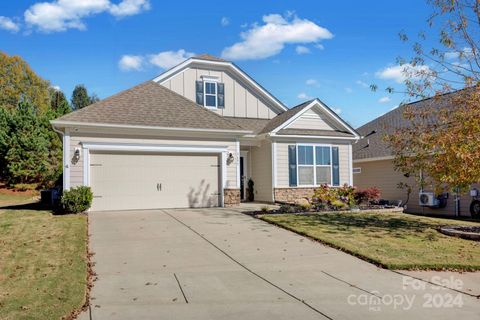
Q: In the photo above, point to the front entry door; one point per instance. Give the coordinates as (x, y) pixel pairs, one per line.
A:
(242, 177)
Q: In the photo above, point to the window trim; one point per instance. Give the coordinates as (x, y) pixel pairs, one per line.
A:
(314, 165)
(357, 170)
(212, 81)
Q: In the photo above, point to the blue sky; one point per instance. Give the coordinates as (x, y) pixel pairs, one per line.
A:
(327, 49)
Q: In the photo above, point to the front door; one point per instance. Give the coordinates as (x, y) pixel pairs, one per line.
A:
(242, 177)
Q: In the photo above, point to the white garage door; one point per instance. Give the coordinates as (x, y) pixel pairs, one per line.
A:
(124, 181)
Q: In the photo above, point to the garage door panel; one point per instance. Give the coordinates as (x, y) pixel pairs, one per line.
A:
(146, 181)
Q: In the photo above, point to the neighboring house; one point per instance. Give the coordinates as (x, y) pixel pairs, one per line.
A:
(373, 161)
(193, 136)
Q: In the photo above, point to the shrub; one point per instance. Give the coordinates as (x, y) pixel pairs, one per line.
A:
(76, 200)
(368, 195)
(265, 209)
(334, 197)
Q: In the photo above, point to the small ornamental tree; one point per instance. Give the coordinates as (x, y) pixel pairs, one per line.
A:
(438, 144)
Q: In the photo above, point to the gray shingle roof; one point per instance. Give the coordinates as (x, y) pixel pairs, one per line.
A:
(150, 104)
(209, 57)
(284, 116)
(254, 125)
(372, 145)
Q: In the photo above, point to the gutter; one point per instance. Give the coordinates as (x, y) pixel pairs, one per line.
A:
(64, 124)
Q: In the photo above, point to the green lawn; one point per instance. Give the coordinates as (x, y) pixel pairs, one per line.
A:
(13, 198)
(43, 264)
(392, 240)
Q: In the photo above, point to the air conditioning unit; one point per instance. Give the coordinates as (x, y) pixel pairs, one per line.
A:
(428, 199)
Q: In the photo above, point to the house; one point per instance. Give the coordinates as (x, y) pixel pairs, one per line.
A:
(194, 135)
(373, 162)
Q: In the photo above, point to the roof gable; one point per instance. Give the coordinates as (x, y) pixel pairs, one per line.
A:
(324, 121)
(210, 62)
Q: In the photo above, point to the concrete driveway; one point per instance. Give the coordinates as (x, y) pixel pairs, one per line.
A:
(221, 264)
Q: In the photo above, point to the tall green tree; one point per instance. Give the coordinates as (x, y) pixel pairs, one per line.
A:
(80, 97)
(57, 99)
(30, 151)
(19, 82)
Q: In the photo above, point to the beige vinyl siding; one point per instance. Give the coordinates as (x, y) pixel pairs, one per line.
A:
(76, 169)
(316, 119)
(282, 161)
(240, 100)
(382, 175)
(311, 120)
(261, 160)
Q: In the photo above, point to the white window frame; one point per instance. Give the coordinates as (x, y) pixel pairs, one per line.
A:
(357, 170)
(205, 81)
(314, 145)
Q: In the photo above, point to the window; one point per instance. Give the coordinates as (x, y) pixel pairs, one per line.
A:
(357, 170)
(305, 165)
(210, 91)
(314, 165)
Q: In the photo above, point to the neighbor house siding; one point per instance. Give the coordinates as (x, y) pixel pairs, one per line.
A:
(261, 171)
(240, 101)
(282, 161)
(76, 169)
(382, 175)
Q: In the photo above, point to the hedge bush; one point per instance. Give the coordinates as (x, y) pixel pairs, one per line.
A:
(76, 200)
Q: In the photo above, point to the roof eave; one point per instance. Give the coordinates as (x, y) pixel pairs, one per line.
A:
(91, 125)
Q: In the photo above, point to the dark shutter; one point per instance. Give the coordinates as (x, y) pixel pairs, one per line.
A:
(220, 95)
(335, 167)
(292, 165)
(199, 91)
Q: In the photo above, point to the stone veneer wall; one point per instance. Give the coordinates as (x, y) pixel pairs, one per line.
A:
(289, 195)
(231, 197)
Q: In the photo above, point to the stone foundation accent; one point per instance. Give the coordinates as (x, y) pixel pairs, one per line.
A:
(231, 197)
(289, 195)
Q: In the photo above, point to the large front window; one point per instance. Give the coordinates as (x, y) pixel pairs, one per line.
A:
(314, 165)
(210, 94)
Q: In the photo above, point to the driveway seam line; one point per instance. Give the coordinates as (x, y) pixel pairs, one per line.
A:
(181, 289)
(351, 285)
(436, 284)
(249, 270)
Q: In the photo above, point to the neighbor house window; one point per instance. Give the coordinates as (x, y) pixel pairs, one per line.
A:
(314, 165)
(210, 92)
(357, 170)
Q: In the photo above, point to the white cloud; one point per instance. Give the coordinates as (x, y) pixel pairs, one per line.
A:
(61, 15)
(302, 50)
(311, 82)
(453, 55)
(225, 21)
(168, 59)
(348, 90)
(303, 96)
(384, 99)
(131, 62)
(403, 72)
(56, 88)
(269, 39)
(8, 24)
(129, 8)
(337, 110)
(319, 46)
(361, 83)
(164, 60)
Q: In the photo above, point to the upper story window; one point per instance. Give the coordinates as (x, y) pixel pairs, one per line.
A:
(210, 92)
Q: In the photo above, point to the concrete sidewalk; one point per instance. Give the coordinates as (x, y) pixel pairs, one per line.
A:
(221, 264)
